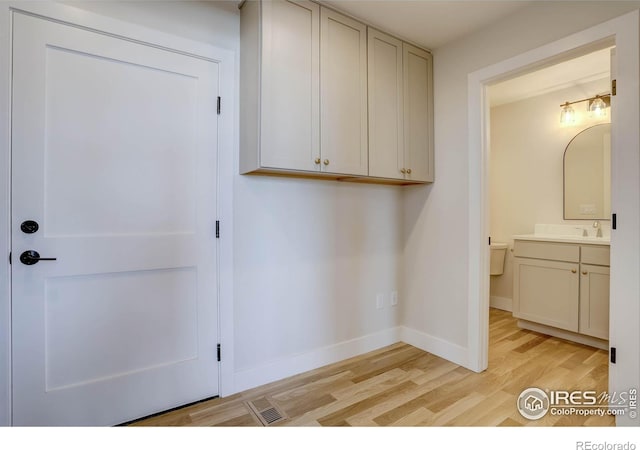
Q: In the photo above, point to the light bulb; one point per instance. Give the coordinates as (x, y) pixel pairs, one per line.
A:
(598, 108)
(567, 115)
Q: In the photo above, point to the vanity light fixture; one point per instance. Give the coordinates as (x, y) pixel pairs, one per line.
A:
(567, 115)
(597, 107)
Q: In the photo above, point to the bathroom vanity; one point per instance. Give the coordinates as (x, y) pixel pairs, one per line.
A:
(561, 286)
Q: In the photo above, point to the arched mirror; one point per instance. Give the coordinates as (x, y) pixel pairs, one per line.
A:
(587, 174)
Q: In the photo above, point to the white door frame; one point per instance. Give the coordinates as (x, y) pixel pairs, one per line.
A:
(624, 32)
(227, 147)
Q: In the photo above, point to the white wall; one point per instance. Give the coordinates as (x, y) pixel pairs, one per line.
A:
(212, 22)
(526, 165)
(436, 217)
(309, 255)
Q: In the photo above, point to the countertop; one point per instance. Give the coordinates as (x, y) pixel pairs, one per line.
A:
(564, 238)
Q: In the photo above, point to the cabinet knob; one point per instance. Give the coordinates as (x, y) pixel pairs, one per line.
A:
(317, 161)
(402, 171)
(573, 270)
(409, 171)
(326, 162)
(584, 272)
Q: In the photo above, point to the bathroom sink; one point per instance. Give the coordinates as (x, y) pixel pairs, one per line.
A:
(563, 233)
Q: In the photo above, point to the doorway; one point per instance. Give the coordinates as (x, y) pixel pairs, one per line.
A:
(625, 243)
(550, 177)
(114, 191)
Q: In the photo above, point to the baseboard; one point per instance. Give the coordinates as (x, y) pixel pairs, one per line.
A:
(503, 303)
(436, 346)
(564, 334)
(293, 365)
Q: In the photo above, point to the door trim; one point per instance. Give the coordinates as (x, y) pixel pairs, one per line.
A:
(227, 147)
(624, 32)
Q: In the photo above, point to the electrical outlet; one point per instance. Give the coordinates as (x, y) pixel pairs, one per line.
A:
(379, 301)
(394, 298)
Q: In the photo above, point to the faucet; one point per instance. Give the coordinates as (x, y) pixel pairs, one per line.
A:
(598, 228)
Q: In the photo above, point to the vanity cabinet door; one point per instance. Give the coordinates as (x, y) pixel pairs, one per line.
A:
(546, 292)
(594, 301)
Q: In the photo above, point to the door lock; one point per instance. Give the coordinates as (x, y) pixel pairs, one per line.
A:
(29, 226)
(31, 257)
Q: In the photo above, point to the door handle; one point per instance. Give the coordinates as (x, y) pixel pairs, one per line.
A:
(31, 257)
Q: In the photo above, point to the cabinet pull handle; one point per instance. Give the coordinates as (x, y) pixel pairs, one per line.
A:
(317, 161)
(402, 170)
(573, 270)
(584, 272)
(409, 171)
(326, 162)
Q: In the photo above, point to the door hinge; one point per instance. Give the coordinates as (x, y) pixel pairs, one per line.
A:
(613, 221)
(613, 87)
(219, 105)
(219, 352)
(9, 257)
(217, 229)
(489, 240)
(612, 352)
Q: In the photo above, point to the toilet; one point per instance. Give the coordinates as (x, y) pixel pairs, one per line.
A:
(498, 252)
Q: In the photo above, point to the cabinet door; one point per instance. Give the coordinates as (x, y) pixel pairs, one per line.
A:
(546, 292)
(594, 301)
(343, 94)
(386, 135)
(418, 113)
(290, 108)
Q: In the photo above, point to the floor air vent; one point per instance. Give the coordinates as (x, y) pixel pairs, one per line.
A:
(266, 411)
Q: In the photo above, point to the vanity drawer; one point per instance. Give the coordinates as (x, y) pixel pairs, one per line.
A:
(554, 251)
(597, 255)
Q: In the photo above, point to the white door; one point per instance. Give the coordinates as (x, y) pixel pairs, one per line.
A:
(114, 156)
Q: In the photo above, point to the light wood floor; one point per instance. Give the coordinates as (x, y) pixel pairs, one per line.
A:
(401, 385)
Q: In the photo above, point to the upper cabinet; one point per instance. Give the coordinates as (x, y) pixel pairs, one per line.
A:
(386, 133)
(418, 113)
(323, 95)
(280, 86)
(343, 94)
(400, 110)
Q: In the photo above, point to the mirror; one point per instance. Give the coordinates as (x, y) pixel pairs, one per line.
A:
(587, 174)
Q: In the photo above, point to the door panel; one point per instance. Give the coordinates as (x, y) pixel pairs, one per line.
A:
(114, 155)
(125, 302)
(159, 119)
